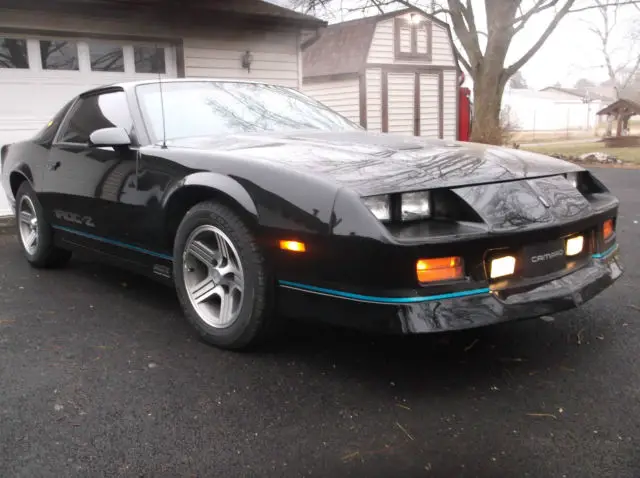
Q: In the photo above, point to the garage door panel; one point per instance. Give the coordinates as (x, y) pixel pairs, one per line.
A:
(29, 97)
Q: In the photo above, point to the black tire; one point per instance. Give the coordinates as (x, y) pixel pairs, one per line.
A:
(256, 321)
(46, 254)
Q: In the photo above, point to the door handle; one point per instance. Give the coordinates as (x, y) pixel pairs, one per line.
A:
(52, 166)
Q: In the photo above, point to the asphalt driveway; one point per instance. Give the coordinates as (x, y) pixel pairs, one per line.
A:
(101, 376)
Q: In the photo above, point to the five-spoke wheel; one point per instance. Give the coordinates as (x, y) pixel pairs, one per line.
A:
(213, 276)
(28, 224)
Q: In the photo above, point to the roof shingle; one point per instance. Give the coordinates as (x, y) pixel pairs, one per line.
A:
(341, 49)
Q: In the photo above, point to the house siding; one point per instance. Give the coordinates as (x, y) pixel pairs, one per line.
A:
(275, 56)
(341, 96)
(382, 46)
(374, 99)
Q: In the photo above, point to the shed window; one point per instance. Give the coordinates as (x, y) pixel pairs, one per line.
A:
(412, 38)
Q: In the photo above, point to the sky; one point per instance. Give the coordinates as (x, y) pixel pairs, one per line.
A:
(570, 53)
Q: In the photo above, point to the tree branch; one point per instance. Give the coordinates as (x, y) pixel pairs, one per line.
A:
(462, 59)
(543, 38)
(468, 40)
(613, 4)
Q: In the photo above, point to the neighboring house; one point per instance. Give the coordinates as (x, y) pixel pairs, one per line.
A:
(395, 73)
(551, 109)
(51, 50)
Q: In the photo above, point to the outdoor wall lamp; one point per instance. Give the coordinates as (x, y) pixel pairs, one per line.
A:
(247, 59)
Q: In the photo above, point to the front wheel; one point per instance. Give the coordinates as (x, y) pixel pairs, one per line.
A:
(35, 233)
(222, 281)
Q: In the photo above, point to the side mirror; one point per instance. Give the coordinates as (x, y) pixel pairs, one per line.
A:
(109, 137)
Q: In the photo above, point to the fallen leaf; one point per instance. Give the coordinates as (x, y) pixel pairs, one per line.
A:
(350, 456)
(542, 415)
(470, 346)
(405, 431)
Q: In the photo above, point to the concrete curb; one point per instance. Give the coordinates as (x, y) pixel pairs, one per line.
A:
(7, 225)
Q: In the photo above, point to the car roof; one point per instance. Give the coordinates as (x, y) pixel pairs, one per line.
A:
(126, 85)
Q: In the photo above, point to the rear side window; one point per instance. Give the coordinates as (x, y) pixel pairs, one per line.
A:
(48, 132)
(106, 110)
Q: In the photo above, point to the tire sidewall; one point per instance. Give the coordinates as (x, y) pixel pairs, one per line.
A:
(246, 325)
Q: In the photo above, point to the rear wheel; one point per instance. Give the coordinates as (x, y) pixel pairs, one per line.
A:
(222, 281)
(35, 233)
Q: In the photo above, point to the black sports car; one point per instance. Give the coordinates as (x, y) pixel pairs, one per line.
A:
(259, 203)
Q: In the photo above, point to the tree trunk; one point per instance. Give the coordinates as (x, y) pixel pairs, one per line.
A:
(487, 97)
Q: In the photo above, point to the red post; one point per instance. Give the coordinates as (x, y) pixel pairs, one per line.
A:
(464, 114)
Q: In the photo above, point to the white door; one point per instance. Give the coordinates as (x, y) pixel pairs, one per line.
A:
(38, 75)
(401, 101)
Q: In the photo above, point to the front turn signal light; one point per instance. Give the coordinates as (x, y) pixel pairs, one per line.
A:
(607, 229)
(574, 245)
(439, 269)
(293, 246)
(502, 266)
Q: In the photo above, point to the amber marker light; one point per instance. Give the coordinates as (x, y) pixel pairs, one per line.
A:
(607, 229)
(574, 245)
(502, 266)
(294, 246)
(439, 269)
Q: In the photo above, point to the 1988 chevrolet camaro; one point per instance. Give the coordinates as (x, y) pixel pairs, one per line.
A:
(258, 203)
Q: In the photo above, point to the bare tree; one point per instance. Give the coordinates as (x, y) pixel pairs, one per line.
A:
(482, 49)
(517, 81)
(621, 58)
(583, 83)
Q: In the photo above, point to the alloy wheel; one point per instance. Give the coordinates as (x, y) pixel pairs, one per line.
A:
(28, 224)
(213, 276)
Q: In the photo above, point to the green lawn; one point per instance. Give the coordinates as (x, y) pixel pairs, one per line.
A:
(628, 155)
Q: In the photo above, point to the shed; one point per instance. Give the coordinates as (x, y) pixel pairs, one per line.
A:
(622, 110)
(396, 72)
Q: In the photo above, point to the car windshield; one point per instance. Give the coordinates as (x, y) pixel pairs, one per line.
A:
(205, 108)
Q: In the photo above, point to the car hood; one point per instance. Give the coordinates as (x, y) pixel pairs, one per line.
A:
(375, 163)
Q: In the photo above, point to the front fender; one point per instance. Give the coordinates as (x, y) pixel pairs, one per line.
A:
(218, 183)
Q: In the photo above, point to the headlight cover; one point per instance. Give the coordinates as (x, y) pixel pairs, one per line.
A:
(380, 206)
(415, 205)
(572, 178)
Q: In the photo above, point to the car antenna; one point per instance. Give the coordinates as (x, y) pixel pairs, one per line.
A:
(164, 125)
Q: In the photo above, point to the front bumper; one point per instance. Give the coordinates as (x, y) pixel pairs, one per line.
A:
(455, 311)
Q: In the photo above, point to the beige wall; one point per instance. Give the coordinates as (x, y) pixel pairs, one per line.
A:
(342, 96)
(382, 46)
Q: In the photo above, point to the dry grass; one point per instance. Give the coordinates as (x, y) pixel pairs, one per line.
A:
(524, 137)
(628, 155)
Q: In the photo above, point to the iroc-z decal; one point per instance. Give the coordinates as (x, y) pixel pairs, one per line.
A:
(74, 218)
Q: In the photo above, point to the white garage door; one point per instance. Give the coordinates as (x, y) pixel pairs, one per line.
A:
(40, 74)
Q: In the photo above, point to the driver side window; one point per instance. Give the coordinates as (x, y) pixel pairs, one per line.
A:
(106, 110)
